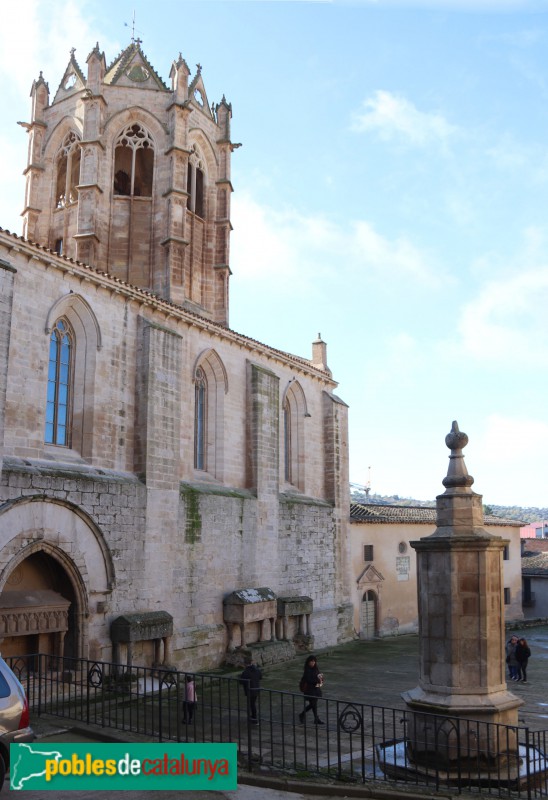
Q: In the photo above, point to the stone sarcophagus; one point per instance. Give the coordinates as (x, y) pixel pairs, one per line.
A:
(156, 626)
(293, 622)
(41, 613)
(250, 616)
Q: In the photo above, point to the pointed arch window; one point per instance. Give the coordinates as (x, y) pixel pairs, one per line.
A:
(210, 388)
(134, 162)
(59, 396)
(68, 171)
(287, 441)
(294, 413)
(196, 184)
(200, 421)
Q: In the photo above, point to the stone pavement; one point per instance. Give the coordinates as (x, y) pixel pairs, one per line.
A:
(375, 672)
(372, 672)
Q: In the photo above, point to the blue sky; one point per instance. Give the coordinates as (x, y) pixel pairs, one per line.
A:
(391, 193)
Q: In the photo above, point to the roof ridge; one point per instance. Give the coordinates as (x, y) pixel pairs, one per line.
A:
(299, 360)
(124, 58)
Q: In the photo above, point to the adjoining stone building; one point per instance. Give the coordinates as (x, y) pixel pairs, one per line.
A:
(384, 568)
(152, 459)
(534, 570)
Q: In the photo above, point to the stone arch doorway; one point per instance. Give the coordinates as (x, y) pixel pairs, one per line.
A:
(39, 608)
(368, 615)
(59, 542)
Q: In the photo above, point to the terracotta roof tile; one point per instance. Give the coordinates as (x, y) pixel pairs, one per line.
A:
(418, 515)
(178, 311)
(535, 564)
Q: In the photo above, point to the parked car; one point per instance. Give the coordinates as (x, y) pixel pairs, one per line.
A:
(14, 716)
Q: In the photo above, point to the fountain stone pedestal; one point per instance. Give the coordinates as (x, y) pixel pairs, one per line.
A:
(462, 672)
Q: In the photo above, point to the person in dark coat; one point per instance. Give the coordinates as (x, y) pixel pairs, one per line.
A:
(523, 654)
(311, 685)
(511, 660)
(250, 680)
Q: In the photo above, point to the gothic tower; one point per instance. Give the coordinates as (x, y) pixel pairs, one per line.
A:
(133, 177)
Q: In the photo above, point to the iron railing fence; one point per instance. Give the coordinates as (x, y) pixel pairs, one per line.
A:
(356, 743)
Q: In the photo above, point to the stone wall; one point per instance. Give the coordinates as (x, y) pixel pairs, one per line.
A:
(135, 525)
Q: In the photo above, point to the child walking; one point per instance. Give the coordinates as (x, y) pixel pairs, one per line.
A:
(191, 699)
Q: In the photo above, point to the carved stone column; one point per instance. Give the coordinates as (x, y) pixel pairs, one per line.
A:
(461, 629)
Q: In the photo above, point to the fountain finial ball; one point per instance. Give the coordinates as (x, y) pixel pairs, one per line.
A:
(456, 440)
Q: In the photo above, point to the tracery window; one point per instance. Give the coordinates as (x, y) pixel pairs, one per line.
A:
(134, 162)
(195, 184)
(59, 384)
(68, 171)
(200, 420)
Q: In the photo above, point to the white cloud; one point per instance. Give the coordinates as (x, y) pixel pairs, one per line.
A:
(38, 34)
(513, 439)
(393, 117)
(396, 257)
(271, 244)
(510, 454)
(506, 322)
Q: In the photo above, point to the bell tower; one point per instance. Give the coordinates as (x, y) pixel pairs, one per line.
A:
(132, 176)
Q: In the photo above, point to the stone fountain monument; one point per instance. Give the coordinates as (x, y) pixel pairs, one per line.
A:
(461, 635)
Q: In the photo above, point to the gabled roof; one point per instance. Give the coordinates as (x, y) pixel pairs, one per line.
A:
(69, 84)
(130, 61)
(535, 565)
(197, 89)
(77, 267)
(418, 515)
(365, 512)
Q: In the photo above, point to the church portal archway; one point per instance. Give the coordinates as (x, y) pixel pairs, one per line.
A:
(53, 559)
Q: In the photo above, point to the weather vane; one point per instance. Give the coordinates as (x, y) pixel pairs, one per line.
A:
(132, 29)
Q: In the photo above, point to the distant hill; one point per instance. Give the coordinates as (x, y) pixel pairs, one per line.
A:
(519, 513)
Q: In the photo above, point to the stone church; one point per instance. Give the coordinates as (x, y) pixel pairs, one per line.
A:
(171, 490)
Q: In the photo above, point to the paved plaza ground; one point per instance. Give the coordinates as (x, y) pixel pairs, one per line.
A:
(375, 672)
(372, 672)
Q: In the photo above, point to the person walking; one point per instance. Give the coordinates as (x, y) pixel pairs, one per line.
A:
(311, 686)
(511, 660)
(523, 654)
(250, 680)
(191, 699)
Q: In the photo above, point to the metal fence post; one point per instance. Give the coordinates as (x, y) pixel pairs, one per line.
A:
(527, 760)
(39, 684)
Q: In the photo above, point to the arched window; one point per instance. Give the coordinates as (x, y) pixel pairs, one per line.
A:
(58, 406)
(73, 341)
(68, 171)
(210, 387)
(294, 412)
(287, 440)
(134, 162)
(200, 420)
(195, 184)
